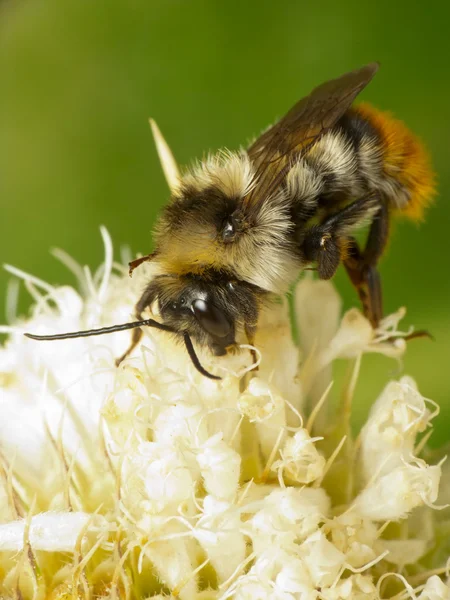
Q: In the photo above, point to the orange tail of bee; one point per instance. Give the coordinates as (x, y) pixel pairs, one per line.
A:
(408, 178)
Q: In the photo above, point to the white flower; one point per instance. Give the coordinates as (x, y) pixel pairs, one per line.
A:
(159, 473)
(355, 587)
(323, 559)
(394, 495)
(287, 517)
(300, 460)
(275, 574)
(264, 406)
(388, 437)
(149, 480)
(52, 532)
(355, 537)
(435, 589)
(220, 468)
(219, 532)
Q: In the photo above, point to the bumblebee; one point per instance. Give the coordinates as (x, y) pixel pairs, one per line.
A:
(241, 226)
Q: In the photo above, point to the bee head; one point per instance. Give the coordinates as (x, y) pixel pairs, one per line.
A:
(211, 309)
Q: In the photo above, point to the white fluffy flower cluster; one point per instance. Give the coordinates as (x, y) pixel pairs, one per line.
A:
(149, 480)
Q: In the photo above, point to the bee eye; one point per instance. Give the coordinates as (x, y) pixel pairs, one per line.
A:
(211, 318)
(228, 230)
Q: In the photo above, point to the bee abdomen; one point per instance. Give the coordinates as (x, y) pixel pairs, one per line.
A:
(327, 172)
(391, 159)
(367, 150)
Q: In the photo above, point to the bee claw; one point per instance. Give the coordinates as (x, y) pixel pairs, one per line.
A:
(418, 334)
(421, 333)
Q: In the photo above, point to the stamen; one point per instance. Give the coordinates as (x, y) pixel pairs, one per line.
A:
(176, 591)
(72, 265)
(90, 283)
(12, 296)
(408, 587)
(276, 446)
(316, 409)
(108, 263)
(27, 277)
(330, 461)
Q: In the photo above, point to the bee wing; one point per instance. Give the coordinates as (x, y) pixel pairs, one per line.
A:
(277, 148)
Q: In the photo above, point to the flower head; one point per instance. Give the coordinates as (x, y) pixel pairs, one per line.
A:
(149, 480)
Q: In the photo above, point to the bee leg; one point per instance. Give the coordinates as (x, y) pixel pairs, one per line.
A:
(366, 280)
(134, 264)
(325, 244)
(361, 266)
(135, 339)
(145, 300)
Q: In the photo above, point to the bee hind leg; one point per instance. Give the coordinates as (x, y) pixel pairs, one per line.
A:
(328, 244)
(366, 280)
(361, 266)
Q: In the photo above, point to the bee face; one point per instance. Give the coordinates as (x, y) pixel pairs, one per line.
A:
(199, 314)
(211, 309)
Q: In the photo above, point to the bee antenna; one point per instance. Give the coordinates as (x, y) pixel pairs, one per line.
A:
(194, 358)
(102, 330)
(144, 323)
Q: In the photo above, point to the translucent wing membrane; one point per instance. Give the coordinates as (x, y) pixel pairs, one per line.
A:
(277, 148)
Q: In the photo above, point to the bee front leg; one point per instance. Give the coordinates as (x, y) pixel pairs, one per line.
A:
(145, 301)
(135, 339)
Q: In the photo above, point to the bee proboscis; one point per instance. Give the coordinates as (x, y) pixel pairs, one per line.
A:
(240, 226)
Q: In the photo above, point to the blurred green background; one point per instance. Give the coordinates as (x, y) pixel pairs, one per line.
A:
(79, 80)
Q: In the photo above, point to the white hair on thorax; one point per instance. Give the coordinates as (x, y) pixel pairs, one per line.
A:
(231, 172)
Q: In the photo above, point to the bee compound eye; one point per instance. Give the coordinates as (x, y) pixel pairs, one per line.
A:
(228, 230)
(211, 318)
